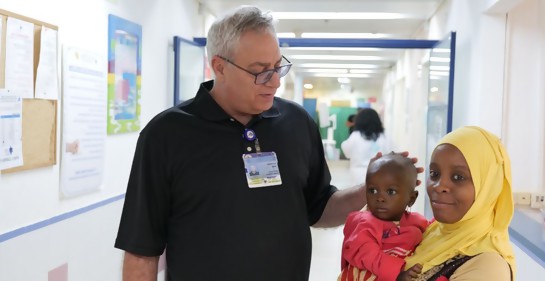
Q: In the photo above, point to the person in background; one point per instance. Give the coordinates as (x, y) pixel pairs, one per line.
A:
(469, 187)
(188, 189)
(350, 123)
(377, 240)
(364, 142)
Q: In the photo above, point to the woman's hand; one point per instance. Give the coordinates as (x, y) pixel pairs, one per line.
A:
(410, 274)
(419, 170)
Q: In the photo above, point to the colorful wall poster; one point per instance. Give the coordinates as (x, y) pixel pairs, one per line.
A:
(124, 75)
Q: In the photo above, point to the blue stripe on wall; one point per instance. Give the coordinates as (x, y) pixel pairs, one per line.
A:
(29, 228)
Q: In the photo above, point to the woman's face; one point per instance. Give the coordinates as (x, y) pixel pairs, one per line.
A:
(449, 184)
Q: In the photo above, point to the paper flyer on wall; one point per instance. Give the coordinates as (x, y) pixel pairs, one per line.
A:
(20, 57)
(47, 86)
(84, 121)
(11, 107)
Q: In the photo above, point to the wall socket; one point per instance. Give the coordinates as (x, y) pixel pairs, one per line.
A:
(537, 200)
(522, 198)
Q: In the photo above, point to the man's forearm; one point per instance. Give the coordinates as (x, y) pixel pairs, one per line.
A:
(139, 268)
(340, 204)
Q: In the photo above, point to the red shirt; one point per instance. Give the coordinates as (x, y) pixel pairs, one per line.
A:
(380, 246)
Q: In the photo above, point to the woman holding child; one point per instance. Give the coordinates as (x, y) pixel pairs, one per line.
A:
(469, 187)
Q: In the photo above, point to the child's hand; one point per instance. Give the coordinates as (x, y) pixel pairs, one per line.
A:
(410, 274)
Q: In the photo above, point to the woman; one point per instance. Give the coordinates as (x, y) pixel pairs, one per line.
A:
(469, 187)
(364, 142)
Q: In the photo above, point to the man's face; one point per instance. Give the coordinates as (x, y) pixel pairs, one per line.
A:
(256, 52)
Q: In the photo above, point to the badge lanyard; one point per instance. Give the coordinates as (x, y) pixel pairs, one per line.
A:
(261, 168)
(250, 135)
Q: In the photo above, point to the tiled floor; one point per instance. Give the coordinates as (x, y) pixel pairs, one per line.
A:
(326, 243)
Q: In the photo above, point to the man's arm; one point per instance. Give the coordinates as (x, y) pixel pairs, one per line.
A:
(139, 268)
(340, 204)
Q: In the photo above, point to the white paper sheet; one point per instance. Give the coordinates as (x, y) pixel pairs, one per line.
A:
(84, 121)
(47, 86)
(11, 128)
(20, 57)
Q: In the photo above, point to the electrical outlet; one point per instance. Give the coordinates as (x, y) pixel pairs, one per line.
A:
(537, 200)
(522, 198)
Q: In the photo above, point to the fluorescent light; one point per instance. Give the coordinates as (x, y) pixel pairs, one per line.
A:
(359, 49)
(285, 35)
(308, 86)
(340, 65)
(341, 35)
(363, 71)
(438, 59)
(334, 57)
(325, 70)
(351, 75)
(441, 50)
(439, 73)
(335, 16)
(343, 80)
(440, 68)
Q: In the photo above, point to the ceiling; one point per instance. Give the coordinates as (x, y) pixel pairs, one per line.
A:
(406, 18)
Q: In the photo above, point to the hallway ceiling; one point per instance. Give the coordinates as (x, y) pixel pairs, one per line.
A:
(405, 18)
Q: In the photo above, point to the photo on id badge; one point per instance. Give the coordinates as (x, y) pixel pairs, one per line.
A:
(261, 169)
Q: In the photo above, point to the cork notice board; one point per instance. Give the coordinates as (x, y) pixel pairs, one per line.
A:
(39, 120)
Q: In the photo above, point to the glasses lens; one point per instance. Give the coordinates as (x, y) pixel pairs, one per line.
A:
(264, 77)
(283, 70)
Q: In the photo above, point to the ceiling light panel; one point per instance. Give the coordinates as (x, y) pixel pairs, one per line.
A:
(343, 35)
(335, 16)
(348, 75)
(335, 57)
(341, 65)
(324, 70)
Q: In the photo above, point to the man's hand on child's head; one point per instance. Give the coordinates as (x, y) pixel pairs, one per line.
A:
(410, 274)
(419, 170)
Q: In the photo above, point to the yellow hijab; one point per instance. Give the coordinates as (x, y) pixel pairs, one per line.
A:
(484, 227)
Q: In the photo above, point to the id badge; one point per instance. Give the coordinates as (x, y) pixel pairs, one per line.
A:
(261, 169)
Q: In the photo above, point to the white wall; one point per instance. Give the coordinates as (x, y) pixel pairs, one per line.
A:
(33, 196)
(524, 125)
(500, 62)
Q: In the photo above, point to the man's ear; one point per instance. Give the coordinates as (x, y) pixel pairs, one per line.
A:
(218, 66)
(414, 195)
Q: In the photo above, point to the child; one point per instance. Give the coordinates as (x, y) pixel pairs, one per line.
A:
(377, 240)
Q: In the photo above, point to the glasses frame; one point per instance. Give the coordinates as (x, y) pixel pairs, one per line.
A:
(272, 71)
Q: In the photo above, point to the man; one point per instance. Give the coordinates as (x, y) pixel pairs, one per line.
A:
(254, 171)
(189, 191)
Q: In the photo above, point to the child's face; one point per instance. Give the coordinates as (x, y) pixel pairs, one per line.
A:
(449, 184)
(389, 193)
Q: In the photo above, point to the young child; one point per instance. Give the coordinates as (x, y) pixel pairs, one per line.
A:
(377, 240)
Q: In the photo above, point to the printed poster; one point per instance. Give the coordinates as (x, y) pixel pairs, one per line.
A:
(124, 75)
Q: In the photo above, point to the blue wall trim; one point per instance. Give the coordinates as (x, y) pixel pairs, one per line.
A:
(527, 234)
(332, 42)
(29, 228)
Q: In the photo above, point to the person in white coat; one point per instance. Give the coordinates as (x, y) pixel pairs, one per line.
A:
(364, 142)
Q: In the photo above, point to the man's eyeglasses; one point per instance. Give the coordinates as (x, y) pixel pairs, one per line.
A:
(265, 76)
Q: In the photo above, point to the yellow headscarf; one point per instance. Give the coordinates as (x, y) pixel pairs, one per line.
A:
(484, 227)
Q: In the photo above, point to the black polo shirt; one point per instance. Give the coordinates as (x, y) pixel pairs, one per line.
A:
(188, 193)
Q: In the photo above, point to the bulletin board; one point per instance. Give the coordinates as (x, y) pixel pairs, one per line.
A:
(39, 119)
